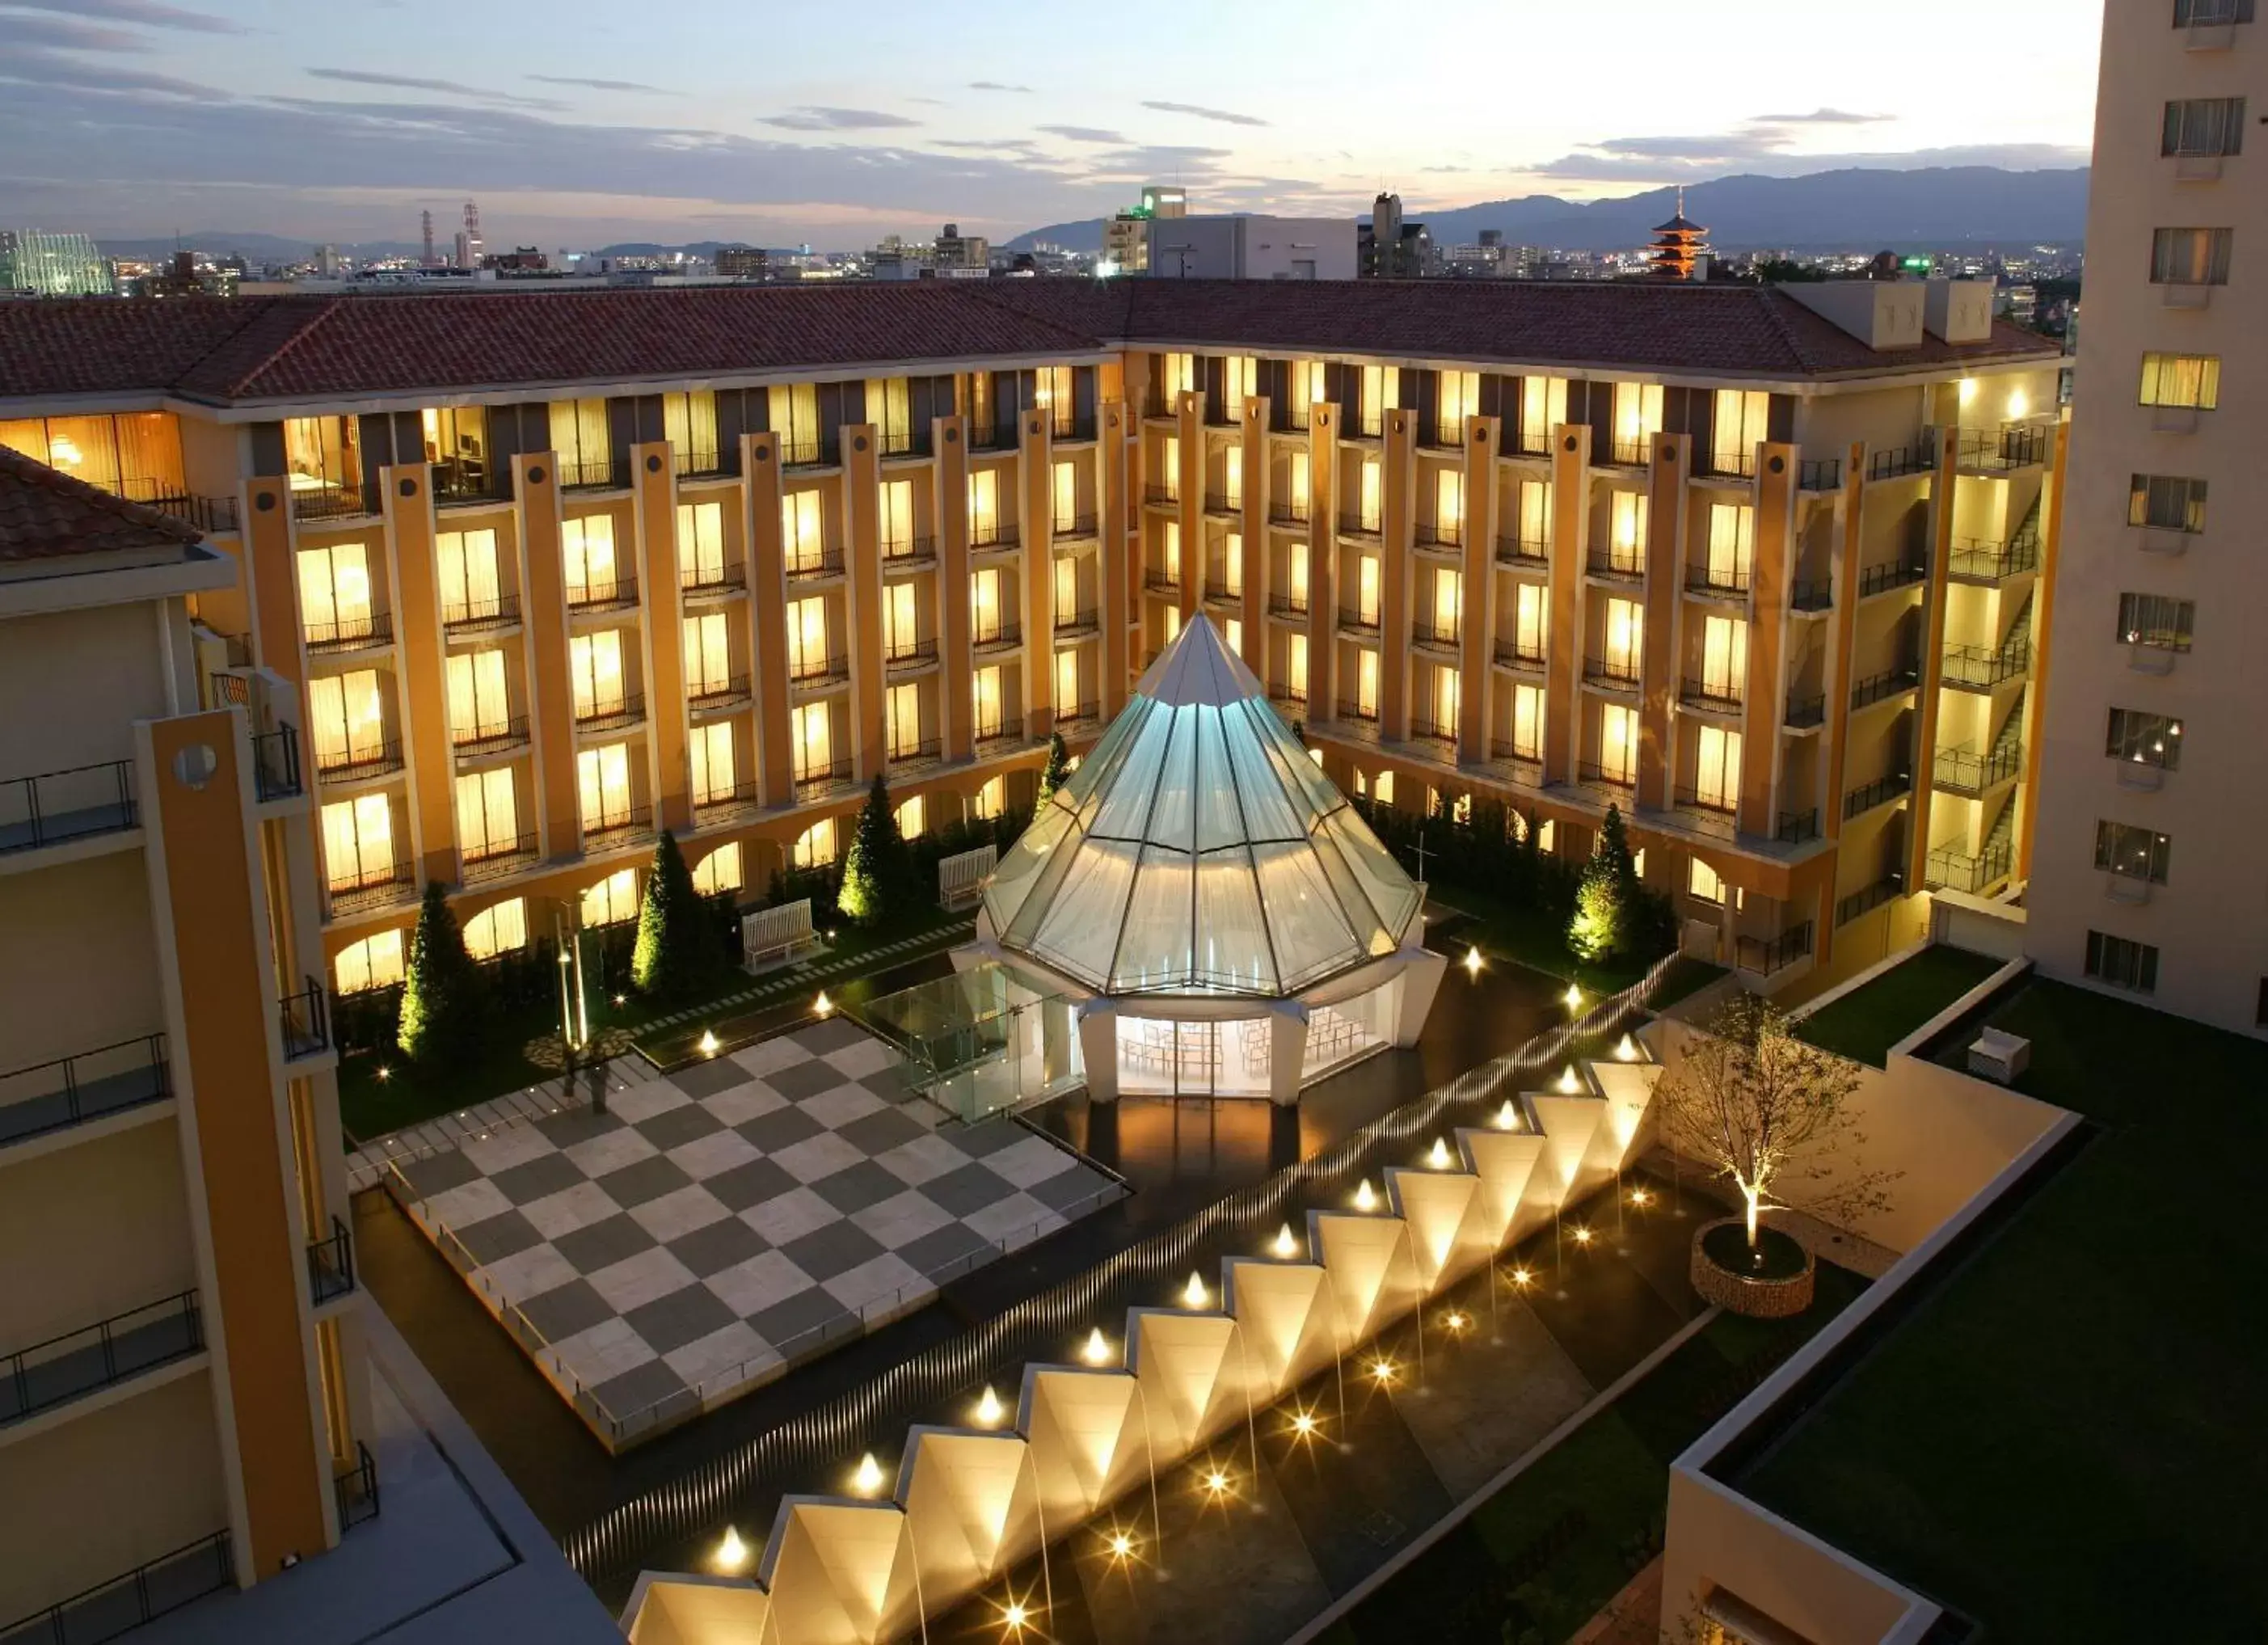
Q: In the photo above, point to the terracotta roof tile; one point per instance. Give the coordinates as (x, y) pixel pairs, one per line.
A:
(47, 515)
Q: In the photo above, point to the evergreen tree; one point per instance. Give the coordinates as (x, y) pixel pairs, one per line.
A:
(874, 867)
(1057, 771)
(440, 991)
(1606, 896)
(675, 948)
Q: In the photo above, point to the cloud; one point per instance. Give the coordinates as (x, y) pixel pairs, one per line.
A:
(149, 13)
(1083, 134)
(1761, 151)
(34, 66)
(62, 33)
(1823, 117)
(1225, 116)
(996, 85)
(812, 118)
(413, 83)
(599, 85)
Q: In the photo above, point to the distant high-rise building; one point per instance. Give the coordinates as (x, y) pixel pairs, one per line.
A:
(956, 250)
(327, 262)
(1160, 201)
(428, 219)
(1390, 246)
(1126, 237)
(744, 262)
(51, 265)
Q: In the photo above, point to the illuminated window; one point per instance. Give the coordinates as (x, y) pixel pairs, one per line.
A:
(1366, 684)
(1233, 476)
(594, 663)
(1304, 385)
(719, 871)
(1732, 543)
(1232, 632)
(815, 847)
(1173, 624)
(1637, 418)
(795, 420)
(1444, 699)
(985, 690)
(1066, 591)
(612, 901)
(1171, 538)
(1381, 388)
(889, 407)
(1067, 681)
(470, 591)
(1738, 422)
(984, 618)
(2191, 256)
(715, 773)
(2166, 503)
(334, 594)
(1240, 382)
(456, 443)
(320, 454)
(806, 639)
(1052, 393)
(1618, 737)
(701, 543)
(1179, 375)
(500, 928)
(1064, 494)
(1543, 408)
(1169, 465)
(913, 817)
(358, 843)
(346, 718)
(1448, 603)
(586, 549)
(1702, 882)
(991, 799)
(1546, 833)
(1295, 564)
(901, 720)
(803, 539)
(1382, 790)
(1298, 487)
(1725, 657)
(2187, 380)
(1535, 505)
(373, 963)
(1528, 621)
(1528, 722)
(1625, 630)
(901, 621)
(689, 422)
(1460, 398)
(1232, 561)
(1296, 665)
(603, 787)
(1369, 494)
(813, 732)
(984, 505)
(1717, 768)
(897, 525)
(487, 814)
(1366, 584)
(480, 699)
(1626, 528)
(708, 654)
(582, 441)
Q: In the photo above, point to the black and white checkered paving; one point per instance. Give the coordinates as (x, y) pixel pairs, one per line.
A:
(718, 1222)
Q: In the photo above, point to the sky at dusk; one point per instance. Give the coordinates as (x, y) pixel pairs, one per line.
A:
(578, 122)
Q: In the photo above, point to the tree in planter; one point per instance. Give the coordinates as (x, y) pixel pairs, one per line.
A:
(1057, 771)
(874, 867)
(1607, 899)
(1755, 1104)
(441, 989)
(676, 947)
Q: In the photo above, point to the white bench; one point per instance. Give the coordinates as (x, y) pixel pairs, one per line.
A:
(773, 936)
(1998, 1055)
(960, 878)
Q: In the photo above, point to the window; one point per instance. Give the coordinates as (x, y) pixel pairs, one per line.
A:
(1369, 494)
(1066, 591)
(594, 663)
(2188, 13)
(499, 928)
(1448, 603)
(457, 442)
(1449, 505)
(470, 592)
(913, 817)
(1546, 832)
(612, 901)
(2157, 620)
(2137, 853)
(900, 621)
(708, 655)
(1366, 684)
(1295, 665)
(2121, 963)
(1444, 699)
(2192, 381)
(1740, 419)
(1725, 657)
(719, 871)
(1534, 516)
(715, 773)
(1528, 722)
(1067, 697)
(803, 542)
(1062, 496)
(889, 407)
(984, 691)
(335, 594)
(587, 546)
(1298, 486)
(1366, 585)
(1304, 383)
(2204, 125)
(1528, 618)
(984, 605)
(1619, 736)
(1543, 407)
(134, 453)
(814, 751)
(373, 963)
(1231, 561)
(689, 422)
(1295, 566)
(1382, 789)
(897, 525)
(1732, 543)
(1703, 883)
(1233, 476)
(1052, 393)
(806, 639)
(2145, 739)
(1460, 398)
(487, 814)
(358, 843)
(984, 505)
(901, 720)
(1173, 624)
(1626, 530)
(322, 453)
(583, 441)
(2189, 257)
(346, 718)
(991, 799)
(1717, 768)
(603, 787)
(795, 419)
(1169, 466)
(1625, 635)
(2166, 503)
(480, 699)
(1179, 376)
(1381, 388)
(1638, 418)
(1240, 382)
(700, 544)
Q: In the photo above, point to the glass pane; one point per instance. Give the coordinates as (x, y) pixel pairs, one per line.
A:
(1221, 822)
(1170, 817)
(1389, 889)
(1310, 931)
(1153, 951)
(1079, 928)
(1232, 951)
(1024, 881)
(1267, 813)
(1125, 806)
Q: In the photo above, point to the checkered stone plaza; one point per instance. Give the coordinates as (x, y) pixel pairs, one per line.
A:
(716, 1225)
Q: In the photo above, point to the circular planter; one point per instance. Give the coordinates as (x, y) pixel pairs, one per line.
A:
(1777, 1288)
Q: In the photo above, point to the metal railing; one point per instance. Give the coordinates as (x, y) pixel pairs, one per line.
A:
(1084, 620)
(1795, 827)
(1362, 424)
(1001, 731)
(79, 1362)
(1592, 771)
(1632, 453)
(610, 713)
(1968, 772)
(1356, 622)
(355, 1487)
(1287, 605)
(1425, 729)
(1879, 579)
(595, 474)
(149, 1591)
(1355, 525)
(1159, 581)
(1998, 450)
(490, 736)
(998, 534)
(1218, 588)
(1728, 465)
(1688, 797)
(593, 594)
(1437, 636)
(1889, 683)
(1896, 462)
(1289, 513)
(1523, 550)
(346, 763)
(623, 825)
(803, 669)
(902, 442)
(1716, 579)
(1154, 492)
(374, 629)
(997, 635)
(1819, 474)
(702, 695)
(1222, 503)
(381, 887)
(915, 753)
(1610, 671)
(1810, 594)
(1079, 712)
(905, 653)
(1511, 751)
(1762, 956)
(275, 765)
(1806, 712)
(498, 611)
(1881, 791)
(727, 573)
(1626, 563)
(703, 462)
(330, 1263)
(87, 1085)
(1434, 534)
(909, 550)
(1988, 559)
(493, 859)
(306, 1027)
(1717, 694)
(1356, 712)
(717, 805)
(995, 436)
(52, 807)
(1868, 899)
(204, 513)
(330, 502)
(1957, 871)
(811, 781)
(456, 481)
(1074, 526)
(1984, 666)
(811, 451)
(810, 566)
(1515, 654)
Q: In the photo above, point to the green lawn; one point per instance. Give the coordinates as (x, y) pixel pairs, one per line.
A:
(1525, 933)
(1866, 1023)
(1538, 1559)
(2066, 1440)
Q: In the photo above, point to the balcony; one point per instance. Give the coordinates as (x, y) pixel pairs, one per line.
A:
(1357, 525)
(611, 828)
(354, 764)
(1356, 424)
(1987, 560)
(1221, 588)
(1877, 688)
(927, 751)
(603, 593)
(307, 1031)
(1618, 674)
(908, 554)
(1795, 827)
(1716, 579)
(902, 442)
(1951, 870)
(1882, 792)
(374, 628)
(707, 462)
(330, 1264)
(1534, 553)
(1068, 527)
(1295, 513)
(75, 803)
(387, 885)
(1625, 564)
(141, 1595)
(1287, 605)
(1628, 453)
(1355, 622)
(1079, 713)
(1712, 812)
(995, 637)
(994, 436)
(1512, 754)
(1441, 734)
(1436, 636)
(715, 577)
(811, 451)
(1819, 474)
(1896, 463)
(908, 653)
(594, 473)
(714, 806)
(499, 857)
(1525, 656)
(1760, 956)
(811, 565)
(713, 695)
(1879, 579)
(1865, 900)
(89, 1086)
(994, 535)
(207, 514)
(1715, 697)
(275, 765)
(320, 501)
(996, 734)
(473, 617)
(808, 670)
(1356, 713)
(1162, 582)
(1621, 778)
(98, 1356)
(489, 736)
(1980, 667)
(1290, 701)
(814, 781)
(1810, 594)
(1166, 494)
(1070, 624)
(1222, 503)
(616, 712)
(464, 482)
(1436, 534)
(1964, 772)
(1805, 713)
(1999, 451)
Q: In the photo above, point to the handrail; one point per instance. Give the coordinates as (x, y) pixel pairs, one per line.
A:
(98, 800)
(731, 572)
(375, 629)
(110, 1351)
(484, 736)
(619, 589)
(307, 1031)
(330, 1263)
(120, 1090)
(147, 1609)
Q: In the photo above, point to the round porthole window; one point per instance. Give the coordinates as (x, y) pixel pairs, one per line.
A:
(407, 487)
(535, 474)
(194, 766)
(652, 463)
(1778, 465)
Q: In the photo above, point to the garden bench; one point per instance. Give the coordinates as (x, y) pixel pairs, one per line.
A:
(771, 936)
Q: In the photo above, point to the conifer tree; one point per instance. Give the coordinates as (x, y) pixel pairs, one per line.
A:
(441, 990)
(675, 950)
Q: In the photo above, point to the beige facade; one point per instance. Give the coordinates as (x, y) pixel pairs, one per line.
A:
(178, 1314)
(2143, 866)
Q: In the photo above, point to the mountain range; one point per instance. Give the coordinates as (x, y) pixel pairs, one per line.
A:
(1853, 209)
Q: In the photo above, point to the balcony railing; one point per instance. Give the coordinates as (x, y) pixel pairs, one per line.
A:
(813, 780)
(1760, 956)
(1611, 671)
(811, 451)
(87, 1086)
(1819, 474)
(1358, 713)
(1989, 560)
(352, 763)
(1356, 526)
(1880, 792)
(909, 551)
(994, 436)
(330, 1264)
(1896, 462)
(726, 574)
(921, 752)
(1067, 526)
(811, 565)
(610, 713)
(204, 513)
(594, 473)
(462, 480)
(1000, 731)
(1360, 425)
(598, 593)
(1222, 503)
(1592, 771)
(1289, 513)
(1627, 564)
(707, 696)
(818, 669)
(1716, 579)
(1436, 636)
(1996, 451)
(1356, 622)
(1084, 620)
(902, 442)
(1516, 653)
(490, 736)
(1983, 667)
(1965, 771)
(1159, 581)
(379, 886)
(998, 534)
(908, 653)
(1079, 712)
(1287, 605)
(466, 617)
(1514, 752)
(1629, 453)
(98, 1356)
(141, 1595)
(1953, 870)
(1803, 712)
(375, 627)
(71, 804)
(1434, 534)
(1868, 899)
(1715, 802)
(1876, 687)
(494, 859)
(612, 826)
(1152, 491)
(707, 462)
(306, 1026)
(356, 1485)
(1795, 827)
(1219, 588)
(1722, 694)
(330, 502)
(723, 803)
(1523, 550)
(1810, 594)
(1426, 728)
(1879, 579)
(997, 636)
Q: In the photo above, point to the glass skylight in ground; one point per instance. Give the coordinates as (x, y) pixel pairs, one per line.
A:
(1198, 850)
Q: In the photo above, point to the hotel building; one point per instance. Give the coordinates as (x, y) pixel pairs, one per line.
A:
(543, 573)
(181, 1387)
(2151, 784)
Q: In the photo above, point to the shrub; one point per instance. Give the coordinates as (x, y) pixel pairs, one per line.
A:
(1052, 775)
(441, 989)
(676, 949)
(874, 868)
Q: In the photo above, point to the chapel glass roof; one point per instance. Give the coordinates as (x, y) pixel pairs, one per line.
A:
(1197, 849)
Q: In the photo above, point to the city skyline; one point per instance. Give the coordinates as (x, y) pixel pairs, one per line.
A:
(132, 117)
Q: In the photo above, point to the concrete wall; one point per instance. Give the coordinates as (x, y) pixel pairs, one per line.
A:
(92, 673)
(118, 1207)
(61, 928)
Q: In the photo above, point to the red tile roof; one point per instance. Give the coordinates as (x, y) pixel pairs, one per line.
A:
(47, 515)
(254, 349)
